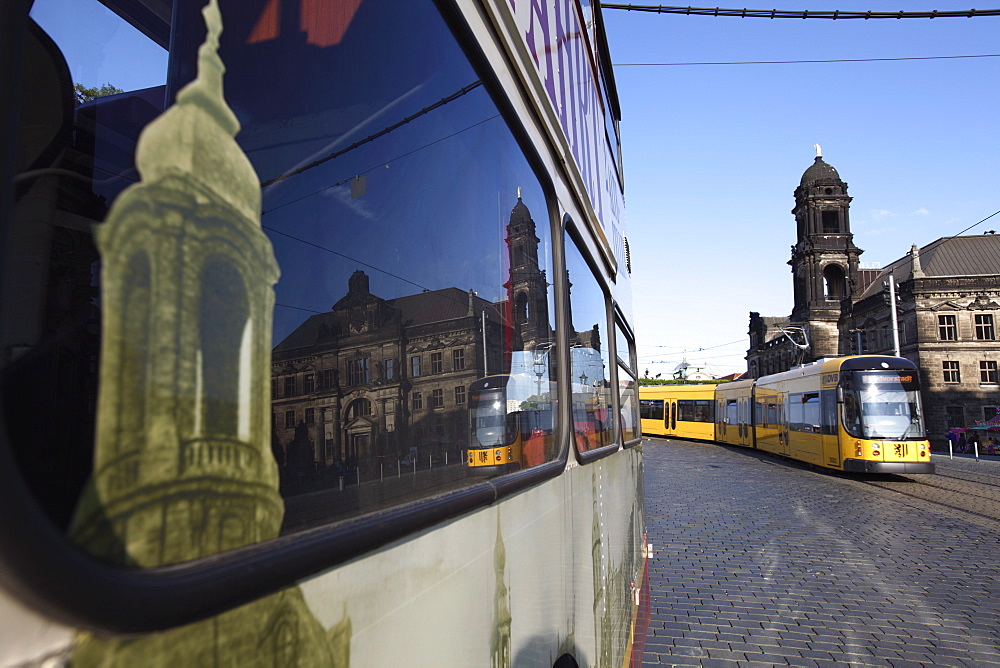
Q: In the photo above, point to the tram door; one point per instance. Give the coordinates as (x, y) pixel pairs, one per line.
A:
(670, 416)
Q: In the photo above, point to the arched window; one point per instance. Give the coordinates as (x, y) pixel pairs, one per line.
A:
(135, 344)
(222, 318)
(521, 308)
(836, 286)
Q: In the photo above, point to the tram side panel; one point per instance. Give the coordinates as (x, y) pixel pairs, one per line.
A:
(770, 432)
(684, 411)
(734, 412)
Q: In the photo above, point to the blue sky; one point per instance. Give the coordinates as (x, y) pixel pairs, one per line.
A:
(713, 154)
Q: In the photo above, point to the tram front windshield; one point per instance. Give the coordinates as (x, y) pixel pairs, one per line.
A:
(488, 409)
(882, 405)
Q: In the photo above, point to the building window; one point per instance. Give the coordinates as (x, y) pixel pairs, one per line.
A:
(947, 330)
(328, 381)
(359, 408)
(984, 327)
(414, 366)
(289, 419)
(310, 416)
(274, 388)
(417, 401)
(309, 383)
(290, 386)
(357, 371)
(831, 222)
(991, 412)
(951, 372)
(437, 364)
(437, 398)
(988, 372)
(390, 369)
(458, 359)
(954, 416)
(460, 394)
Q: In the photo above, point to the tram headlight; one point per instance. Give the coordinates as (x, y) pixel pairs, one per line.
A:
(858, 450)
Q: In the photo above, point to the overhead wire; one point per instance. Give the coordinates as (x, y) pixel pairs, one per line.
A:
(835, 14)
(790, 62)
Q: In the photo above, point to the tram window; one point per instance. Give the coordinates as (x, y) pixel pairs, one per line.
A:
(651, 409)
(804, 412)
(590, 361)
(732, 412)
(317, 229)
(695, 410)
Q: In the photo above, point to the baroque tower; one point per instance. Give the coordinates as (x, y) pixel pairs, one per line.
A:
(527, 286)
(824, 258)
(182, 465)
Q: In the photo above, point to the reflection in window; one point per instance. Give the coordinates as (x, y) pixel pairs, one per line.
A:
(593, 415)
(394, 240)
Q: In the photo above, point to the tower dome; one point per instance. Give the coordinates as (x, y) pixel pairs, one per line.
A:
(820, 170)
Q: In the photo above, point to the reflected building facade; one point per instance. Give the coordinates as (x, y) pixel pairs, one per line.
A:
(378, 380)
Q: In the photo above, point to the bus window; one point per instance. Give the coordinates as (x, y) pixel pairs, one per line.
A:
(321, 256)
(590, 362)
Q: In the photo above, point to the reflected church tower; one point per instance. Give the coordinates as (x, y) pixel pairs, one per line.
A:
(187, 300)
(183, 466)
(527, 286)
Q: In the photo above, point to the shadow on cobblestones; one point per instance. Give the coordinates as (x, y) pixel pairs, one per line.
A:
(760, 561)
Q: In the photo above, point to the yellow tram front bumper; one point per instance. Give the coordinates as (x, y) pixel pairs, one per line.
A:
(866, 466)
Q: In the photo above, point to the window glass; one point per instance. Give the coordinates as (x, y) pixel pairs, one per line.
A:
(628, 399)
(984, 327)
(345, 196)
(947, 329)
(593, 416)
(696, 410)
(624, 349)
(651, 409)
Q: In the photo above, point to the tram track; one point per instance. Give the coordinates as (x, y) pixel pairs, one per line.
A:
(976, 494)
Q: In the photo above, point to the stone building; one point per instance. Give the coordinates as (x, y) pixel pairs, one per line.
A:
(375, 380)
(947, 309)
(373, 377)
(947, 303)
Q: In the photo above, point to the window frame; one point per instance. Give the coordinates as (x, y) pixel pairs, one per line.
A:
(945, 328)
(988, 373)
(570, 234)
(951, 371)
(984, 326)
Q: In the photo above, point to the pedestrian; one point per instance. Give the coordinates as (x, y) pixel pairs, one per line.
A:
(963, 444)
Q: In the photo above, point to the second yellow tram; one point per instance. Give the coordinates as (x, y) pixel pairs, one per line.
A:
(859, 414)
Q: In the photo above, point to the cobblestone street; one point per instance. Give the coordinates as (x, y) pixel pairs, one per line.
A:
(761, 561)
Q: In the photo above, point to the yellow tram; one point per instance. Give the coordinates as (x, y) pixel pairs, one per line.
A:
(687, 411)
(860, 414)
